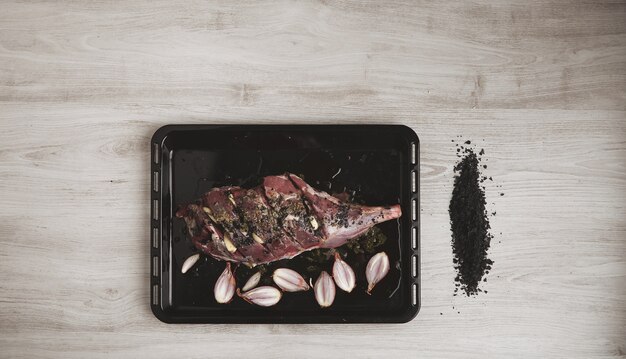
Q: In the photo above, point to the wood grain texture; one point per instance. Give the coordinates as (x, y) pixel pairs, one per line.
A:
(540, 85)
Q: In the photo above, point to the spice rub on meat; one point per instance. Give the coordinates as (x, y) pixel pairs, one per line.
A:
(278, 219)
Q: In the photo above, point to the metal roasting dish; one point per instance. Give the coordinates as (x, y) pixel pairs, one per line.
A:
(285, 224)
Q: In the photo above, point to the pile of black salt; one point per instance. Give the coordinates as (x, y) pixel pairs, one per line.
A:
(470, 224)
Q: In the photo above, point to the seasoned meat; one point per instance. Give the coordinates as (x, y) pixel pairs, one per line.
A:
(279, 219)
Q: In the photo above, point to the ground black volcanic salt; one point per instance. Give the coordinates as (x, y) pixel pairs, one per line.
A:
(470, 224)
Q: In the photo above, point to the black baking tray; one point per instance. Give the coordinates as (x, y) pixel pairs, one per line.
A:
(376, 164)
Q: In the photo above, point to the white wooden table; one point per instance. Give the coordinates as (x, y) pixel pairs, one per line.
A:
(540, 85)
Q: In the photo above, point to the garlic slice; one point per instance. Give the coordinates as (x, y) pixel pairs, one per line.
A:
(343, 274)
(228, 243)
(265, 296)
(225, 286)
(377, 268)
(289, 280)
(252, 282)
(324, 289)
(256, 238)
(189, 262)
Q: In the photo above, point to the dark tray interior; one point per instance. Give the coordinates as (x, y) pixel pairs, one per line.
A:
(373, 164)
